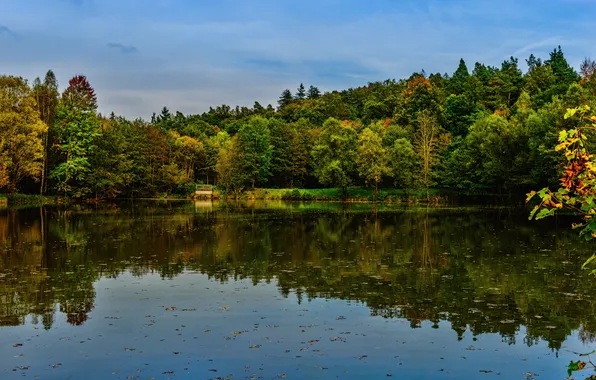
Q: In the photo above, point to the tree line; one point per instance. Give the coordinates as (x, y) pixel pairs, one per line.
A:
(491, 129)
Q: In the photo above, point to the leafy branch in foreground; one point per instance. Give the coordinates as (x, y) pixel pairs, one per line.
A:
(581, 365)
(578, 184)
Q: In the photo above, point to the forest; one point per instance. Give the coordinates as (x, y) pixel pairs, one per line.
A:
(490, 130)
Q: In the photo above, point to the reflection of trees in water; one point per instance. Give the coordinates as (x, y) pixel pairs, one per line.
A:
(480, 271)
(34, 279)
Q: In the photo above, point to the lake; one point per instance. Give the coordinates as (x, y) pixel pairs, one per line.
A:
(185, 290)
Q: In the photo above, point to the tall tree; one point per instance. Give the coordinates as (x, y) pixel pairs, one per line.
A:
(230, 169)
(290, 154)
(371, 159)
(47, 97)
(313, 92)
(334, 156)
(457, 82)
(253, 138)
(564, 73)
(404, 163)
(285, 99)
(428, 141)
(77, 128)
(21, 131)
(418, 95)
(301, 92)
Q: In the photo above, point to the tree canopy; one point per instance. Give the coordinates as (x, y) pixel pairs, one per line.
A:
(484, 128)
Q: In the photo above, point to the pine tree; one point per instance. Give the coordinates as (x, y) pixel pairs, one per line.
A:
(561, 69)
(285, 98)
(313, 92)
(301, 93)
(457, 83)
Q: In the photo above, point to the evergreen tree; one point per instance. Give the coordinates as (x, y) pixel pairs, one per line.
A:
(77, 128)
(47, 97)
(313, 92)
(285, 99)
(564, 73)
(457, 83)
(300, 93)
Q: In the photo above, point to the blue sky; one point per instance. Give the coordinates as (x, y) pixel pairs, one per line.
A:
(190, 54)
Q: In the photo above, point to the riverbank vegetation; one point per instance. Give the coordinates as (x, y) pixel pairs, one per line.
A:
(484, 130)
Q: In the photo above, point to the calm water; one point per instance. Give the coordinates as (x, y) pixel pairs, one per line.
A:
(296, 291)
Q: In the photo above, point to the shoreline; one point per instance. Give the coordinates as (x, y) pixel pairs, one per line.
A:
(335, 195)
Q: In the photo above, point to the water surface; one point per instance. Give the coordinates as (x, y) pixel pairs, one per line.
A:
(289, 290)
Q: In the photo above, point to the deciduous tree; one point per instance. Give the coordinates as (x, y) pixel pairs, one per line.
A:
(21, 132)
(371, 159)
(77, 128)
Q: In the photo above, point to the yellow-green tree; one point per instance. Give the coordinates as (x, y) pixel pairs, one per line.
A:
(334, 154)
(21, 131)
(230, 168)
(371, 159)
(429, 139)
(187, 153)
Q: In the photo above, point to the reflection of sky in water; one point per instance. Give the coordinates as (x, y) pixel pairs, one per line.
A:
(130, 333)
(490, 292)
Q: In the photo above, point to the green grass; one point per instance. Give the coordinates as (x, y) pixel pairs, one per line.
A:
(353, 194)
(30, 199)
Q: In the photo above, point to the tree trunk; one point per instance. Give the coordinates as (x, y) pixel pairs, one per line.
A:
(376, 195)
(43, 165)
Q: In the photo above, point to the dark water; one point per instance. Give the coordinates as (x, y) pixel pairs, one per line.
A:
(297, 291)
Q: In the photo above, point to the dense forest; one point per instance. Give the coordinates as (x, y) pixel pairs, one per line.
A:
(488, 130)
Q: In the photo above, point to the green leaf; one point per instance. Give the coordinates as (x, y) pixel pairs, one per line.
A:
(545, 213)
(583, 266)
(591, 352)
(572, 367)
(533, 212)
(570, 112)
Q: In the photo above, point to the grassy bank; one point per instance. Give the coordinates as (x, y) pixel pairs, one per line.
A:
(29, 200)
(352, 194)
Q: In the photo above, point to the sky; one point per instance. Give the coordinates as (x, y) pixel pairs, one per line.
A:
(188, 55)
